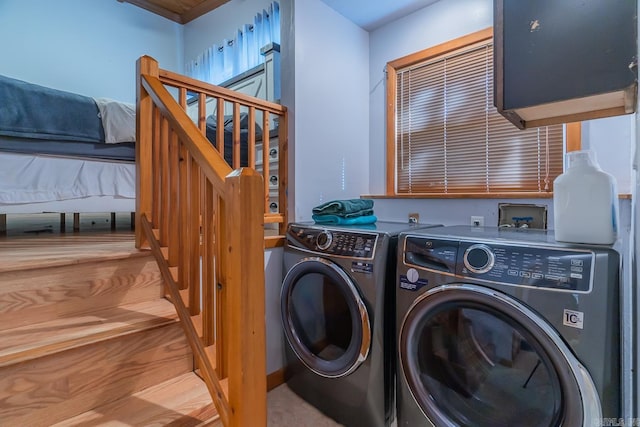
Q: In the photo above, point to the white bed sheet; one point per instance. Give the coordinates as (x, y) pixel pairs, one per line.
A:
(31, 183)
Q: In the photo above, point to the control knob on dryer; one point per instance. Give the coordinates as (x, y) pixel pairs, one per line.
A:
(479, 258)
(324, 239)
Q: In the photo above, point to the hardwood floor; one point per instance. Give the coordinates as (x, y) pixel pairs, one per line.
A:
(34, 240)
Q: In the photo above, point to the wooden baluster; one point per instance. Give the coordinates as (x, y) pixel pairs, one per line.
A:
(236, 135)
(202, 113)
(220, 126)
(266, 173)
(174, 202)
(164, 182)
(208, 277)
(283, 165)
(194, 236)
(183, 212)
(156, 188)
(222, 308)
(184, 247)
(251, 141)
(182, 98)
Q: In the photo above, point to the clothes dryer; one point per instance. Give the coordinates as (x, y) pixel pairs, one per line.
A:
(506, 327)
(335, 301)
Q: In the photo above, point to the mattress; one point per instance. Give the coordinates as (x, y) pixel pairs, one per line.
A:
(27, 179)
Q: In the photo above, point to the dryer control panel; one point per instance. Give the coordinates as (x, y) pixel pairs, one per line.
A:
(534, 266)
(529, 266)
(334, 242)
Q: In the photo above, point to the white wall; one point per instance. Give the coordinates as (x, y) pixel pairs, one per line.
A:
(219, 24)
(612, 139)
(331, 107)
(273, 282)
(86, 47)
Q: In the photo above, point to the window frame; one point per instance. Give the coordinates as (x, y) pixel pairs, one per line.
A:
(572, 130)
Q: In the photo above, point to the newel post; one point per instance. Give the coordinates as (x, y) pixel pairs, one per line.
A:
(244, 209)
(145, 65)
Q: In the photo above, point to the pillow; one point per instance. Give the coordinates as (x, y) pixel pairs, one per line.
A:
(118, 120)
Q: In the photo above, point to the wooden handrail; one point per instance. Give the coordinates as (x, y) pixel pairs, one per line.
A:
(213, 165)
(204, 223)
(178, 80)
(203, 92)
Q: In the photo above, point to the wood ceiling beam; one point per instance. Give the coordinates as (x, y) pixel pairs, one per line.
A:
(190, 12)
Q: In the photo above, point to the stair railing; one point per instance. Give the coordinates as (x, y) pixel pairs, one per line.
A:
(204, 223)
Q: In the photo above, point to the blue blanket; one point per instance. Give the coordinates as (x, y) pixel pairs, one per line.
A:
(345, 208)
(339, 220)
(32, 111)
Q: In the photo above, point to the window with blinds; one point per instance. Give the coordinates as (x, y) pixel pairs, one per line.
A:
(449, 137)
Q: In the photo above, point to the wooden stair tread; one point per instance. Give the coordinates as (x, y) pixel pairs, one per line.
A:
(67, 249)
(45, 338)
(180, 401)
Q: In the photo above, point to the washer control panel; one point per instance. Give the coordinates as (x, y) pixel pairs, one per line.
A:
(334, 242)
(553, 268)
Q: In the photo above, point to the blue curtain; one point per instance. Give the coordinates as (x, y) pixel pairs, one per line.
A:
(235, 56)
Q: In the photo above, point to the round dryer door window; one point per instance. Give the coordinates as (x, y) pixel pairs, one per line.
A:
(325, 320)
(471, 356)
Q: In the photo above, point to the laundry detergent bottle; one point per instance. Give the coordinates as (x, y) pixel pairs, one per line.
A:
(585, 202)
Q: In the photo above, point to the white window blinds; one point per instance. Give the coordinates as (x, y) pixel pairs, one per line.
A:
(450, 138)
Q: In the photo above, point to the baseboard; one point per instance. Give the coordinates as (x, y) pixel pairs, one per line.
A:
(275, 379)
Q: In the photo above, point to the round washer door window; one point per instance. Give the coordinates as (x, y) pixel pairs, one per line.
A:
(324, 318)
(473, 357)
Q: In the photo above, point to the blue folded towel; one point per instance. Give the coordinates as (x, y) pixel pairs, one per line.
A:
(339, 220)
(345, 208)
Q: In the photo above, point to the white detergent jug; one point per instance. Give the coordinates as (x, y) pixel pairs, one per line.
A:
(585, 202)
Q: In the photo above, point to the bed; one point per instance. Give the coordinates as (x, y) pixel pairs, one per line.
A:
(62, 152)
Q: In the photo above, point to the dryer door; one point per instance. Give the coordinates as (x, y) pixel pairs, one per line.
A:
(324, 318)
(475, 357)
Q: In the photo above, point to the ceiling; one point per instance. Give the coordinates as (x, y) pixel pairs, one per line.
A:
(371, 14)
(368, 14)
(180, 11)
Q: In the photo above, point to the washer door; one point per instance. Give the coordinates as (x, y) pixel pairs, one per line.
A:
(324, 318)
(472, 356)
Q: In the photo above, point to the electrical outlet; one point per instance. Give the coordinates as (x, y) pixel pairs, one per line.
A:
(477, 221)
(414, 218)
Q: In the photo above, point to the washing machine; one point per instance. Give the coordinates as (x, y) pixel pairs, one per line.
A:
(506, 327)
(339, 282)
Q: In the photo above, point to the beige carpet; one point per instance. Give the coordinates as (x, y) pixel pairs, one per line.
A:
(286, 409)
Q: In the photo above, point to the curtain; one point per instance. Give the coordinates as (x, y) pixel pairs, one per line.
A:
(231, 57)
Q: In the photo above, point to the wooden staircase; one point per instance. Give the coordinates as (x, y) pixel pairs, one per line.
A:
(87, 337)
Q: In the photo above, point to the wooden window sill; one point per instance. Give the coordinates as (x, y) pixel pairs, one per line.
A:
(471, 196)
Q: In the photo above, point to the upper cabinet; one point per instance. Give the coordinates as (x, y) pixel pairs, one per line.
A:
(564, 61)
